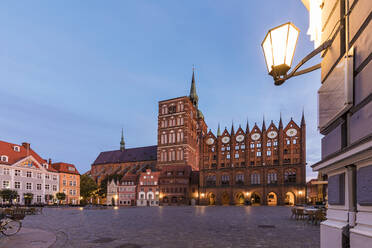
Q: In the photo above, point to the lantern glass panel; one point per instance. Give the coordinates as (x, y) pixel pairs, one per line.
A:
(266, 45)
(279, 44)
(291, 45)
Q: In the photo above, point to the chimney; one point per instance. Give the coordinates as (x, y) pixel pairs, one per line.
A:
(50, 161)
(26, 145)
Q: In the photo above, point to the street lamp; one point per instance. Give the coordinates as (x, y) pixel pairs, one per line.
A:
(279, 46)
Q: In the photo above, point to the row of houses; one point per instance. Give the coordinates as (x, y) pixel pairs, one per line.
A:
(148, 186)
(36, 180)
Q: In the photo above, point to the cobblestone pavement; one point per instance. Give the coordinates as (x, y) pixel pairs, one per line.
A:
(176, 227)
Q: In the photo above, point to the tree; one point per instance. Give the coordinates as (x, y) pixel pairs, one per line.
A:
(61, 196)
(87, 186)
(8, 194)
(48, 198)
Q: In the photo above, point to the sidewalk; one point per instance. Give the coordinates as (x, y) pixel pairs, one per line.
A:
(28, 238)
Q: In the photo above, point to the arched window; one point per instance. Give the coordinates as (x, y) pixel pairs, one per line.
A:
(239, 178)
(211, 180)
(225, 180)
(272, 177)
(290, 176)
(255, 178)
(4, 158)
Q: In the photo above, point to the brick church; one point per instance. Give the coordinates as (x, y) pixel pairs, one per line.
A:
(259, 165)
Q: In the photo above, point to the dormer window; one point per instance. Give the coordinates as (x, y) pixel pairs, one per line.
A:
(45, 166)
(71, 168)
(16, 148)
(4, 158)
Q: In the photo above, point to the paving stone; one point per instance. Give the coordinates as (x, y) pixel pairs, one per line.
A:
(186, 226)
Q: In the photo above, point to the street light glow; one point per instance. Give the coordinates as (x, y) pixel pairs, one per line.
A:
(279, 46)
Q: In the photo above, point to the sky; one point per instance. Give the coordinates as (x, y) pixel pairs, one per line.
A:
(74, 73)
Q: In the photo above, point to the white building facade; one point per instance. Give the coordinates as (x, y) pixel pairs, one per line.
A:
(29, 174)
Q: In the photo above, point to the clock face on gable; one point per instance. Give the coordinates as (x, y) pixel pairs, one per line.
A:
(225, 139)
(272, 134)
(291, 132)
(240, 138)
(210, 141)
(255, 136)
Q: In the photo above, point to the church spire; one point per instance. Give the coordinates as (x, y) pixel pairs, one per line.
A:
(263, 124)
(193, 96)
(232, 128)
(303, 118)
(280, 121)
(218, 130)
(247, 127)
(122, 143)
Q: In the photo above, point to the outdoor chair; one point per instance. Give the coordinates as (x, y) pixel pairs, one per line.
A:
(300, 214)
(293, 210)
(310, 216)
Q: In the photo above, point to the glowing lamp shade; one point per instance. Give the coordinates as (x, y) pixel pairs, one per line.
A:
(279, 46)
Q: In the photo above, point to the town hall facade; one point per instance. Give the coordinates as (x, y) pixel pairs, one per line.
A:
(258, 165)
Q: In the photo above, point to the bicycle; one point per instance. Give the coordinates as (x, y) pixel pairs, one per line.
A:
(9, 226)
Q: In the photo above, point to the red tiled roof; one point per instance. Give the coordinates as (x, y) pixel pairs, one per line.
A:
(7, 149)
(65, 168)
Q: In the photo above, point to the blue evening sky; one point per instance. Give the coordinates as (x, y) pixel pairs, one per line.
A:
(73, 73)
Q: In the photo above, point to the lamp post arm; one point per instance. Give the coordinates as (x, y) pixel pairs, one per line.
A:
(323, 46)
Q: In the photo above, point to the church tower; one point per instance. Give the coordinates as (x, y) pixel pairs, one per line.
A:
(180, 129)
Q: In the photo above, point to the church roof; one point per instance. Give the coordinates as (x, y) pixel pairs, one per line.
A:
(146, 153)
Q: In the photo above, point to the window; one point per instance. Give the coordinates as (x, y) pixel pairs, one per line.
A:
(74, 192)
(17, 173)
(70, 183)
(39, 175)
(237, 147)
(47, 186)
(38, 186)
(70, 191)
(252, 145)
(228, 148)
(255, 178)
(288, 142)
(29, 186)
(239, 179)
(211, 180)
(258, 154)
(4, 158)
(225, 180)
(228, 156)
(242, 147)
(290, 176)
(54, 187)
(17, 148)
(38, 198)
(272, 178)
(6, 185)
(275, 143)
(294, 141)
(268, 153)
(47, 176)
(55, 177)
(236, 155)
(223, 148)
(258, 145)
(29, 174)
(268, 144)
(6, 171)
(17, 185)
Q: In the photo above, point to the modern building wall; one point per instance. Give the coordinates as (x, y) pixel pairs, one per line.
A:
(347, 143)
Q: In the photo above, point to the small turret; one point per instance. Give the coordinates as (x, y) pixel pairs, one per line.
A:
(232, 128)
(218, 130)
(263, 124)
(122, 143)
(280, 121)
(247, 127)
(303, 119)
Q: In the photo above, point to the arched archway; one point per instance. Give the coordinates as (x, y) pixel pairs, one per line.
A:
(255, 199)
(289, 199)
(272, 199)
(239, 198)
(212, 199)
(225, 198)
